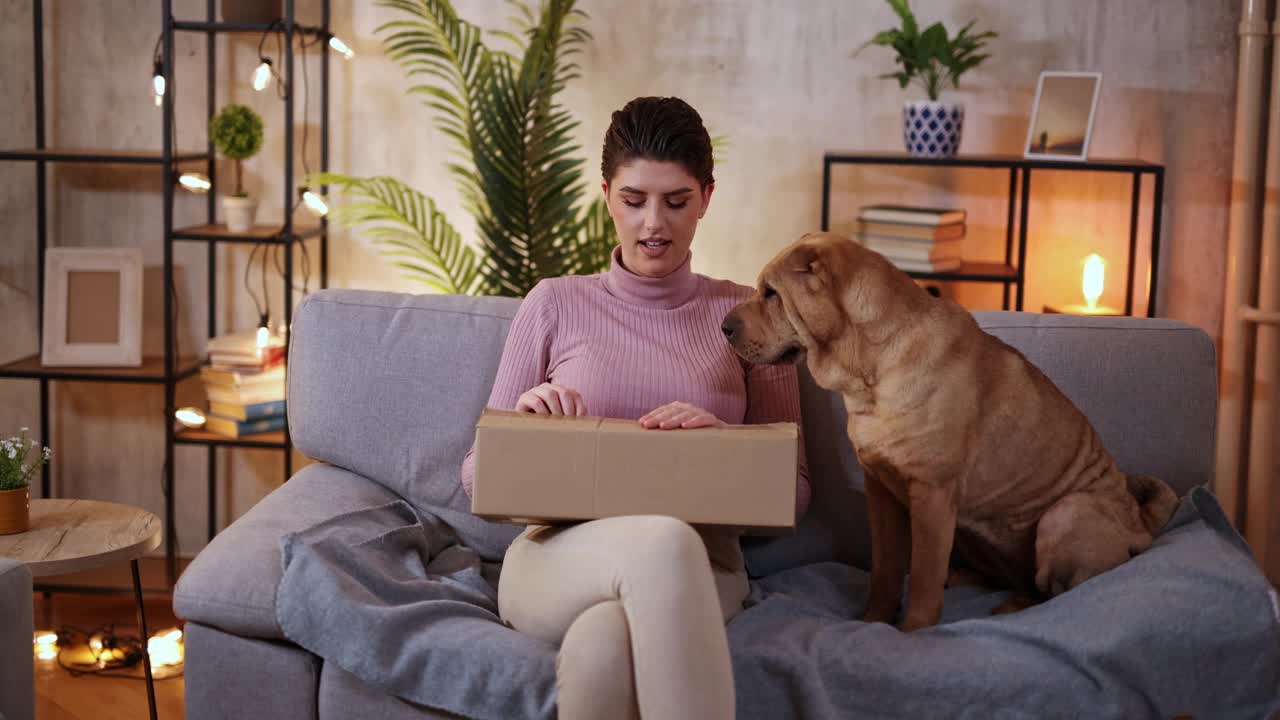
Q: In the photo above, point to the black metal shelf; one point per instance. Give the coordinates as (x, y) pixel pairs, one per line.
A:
(111, 157)
(1012, 271)
(151, 371)
(168, 158)
(993, 161)
(268, 234)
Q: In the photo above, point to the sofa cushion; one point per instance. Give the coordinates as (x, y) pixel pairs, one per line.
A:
(228, 676)
(390, 386)
(231, 585)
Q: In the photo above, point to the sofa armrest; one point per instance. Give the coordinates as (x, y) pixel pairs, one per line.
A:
(17, 688)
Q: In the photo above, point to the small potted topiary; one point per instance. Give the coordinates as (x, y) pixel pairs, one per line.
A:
(237, 134)
(931, 128)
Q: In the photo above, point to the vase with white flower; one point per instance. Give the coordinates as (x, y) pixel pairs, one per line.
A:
(20, 458)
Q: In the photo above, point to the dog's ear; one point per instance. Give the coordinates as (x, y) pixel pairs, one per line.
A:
(807, 260)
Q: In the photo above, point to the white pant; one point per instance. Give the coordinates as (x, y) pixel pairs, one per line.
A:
(638, 611)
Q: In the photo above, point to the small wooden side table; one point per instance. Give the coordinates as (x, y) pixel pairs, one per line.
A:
(68, 536)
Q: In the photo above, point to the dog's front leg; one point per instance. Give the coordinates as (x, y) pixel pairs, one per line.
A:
(933, 530)
(890, 549)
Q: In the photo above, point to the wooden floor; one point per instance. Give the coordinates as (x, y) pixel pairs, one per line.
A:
(62, 696)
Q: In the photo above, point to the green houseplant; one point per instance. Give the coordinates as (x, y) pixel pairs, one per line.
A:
(514, 157)
(20, 458)
(236, 132)
(934, 59)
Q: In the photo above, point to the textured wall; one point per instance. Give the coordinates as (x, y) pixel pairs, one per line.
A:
(778, 78)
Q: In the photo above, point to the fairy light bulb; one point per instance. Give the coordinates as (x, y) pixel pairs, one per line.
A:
(1093, 279)
(195, 182)
(262, 75)
(336, 43)
(315, 203)
(157, 84)
(190, 417)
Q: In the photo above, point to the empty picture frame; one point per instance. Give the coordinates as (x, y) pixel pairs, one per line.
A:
(1062, 116)
(92, 307)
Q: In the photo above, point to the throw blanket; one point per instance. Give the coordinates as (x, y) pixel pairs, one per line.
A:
(1190, 626)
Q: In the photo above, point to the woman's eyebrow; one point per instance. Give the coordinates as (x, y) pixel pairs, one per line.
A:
(634, 191)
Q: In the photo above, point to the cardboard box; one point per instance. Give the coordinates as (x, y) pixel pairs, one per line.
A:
(545, 469)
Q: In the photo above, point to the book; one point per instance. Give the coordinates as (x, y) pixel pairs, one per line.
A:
(242, 377)
(248, 359)
(245, 396)
(914, 250)
(242, 342)
(928, 266)
(250, 411)
(237, 428)
(908, 230)
(911, 215)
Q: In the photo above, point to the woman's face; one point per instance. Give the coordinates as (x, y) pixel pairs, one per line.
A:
(655, 207)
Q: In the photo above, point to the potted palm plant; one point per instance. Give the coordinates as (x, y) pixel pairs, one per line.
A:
(20, 458)
(237, 133)
(933, 127)
(514, 154)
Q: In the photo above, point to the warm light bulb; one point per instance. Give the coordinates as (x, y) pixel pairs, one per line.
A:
(262, 75)
(264, 335)
(165, 648)
(1095, 269)
(336, 43)
(157, 85)
(195, 182)
(315, 203)
(45, 644)
(190, 417)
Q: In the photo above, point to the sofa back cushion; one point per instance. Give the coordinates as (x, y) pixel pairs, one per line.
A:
(389, 386)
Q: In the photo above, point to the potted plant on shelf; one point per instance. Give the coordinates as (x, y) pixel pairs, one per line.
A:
(20, 458)
(931, 128)
(237, 133)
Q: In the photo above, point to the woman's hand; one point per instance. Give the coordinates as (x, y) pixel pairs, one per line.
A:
(679, 415)
(551, 399)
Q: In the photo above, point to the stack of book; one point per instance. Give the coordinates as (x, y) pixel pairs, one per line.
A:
(245, 384)
(915, 239)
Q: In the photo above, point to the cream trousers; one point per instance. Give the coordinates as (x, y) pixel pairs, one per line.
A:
(637, 606)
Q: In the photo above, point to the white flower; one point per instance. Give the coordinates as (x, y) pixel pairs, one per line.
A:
(13, 453)
(47, 453)
(25, 469)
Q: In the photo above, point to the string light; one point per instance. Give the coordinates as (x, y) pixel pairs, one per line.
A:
(45, 644)
(157, 82)
(190, 417)
(336, 43)
(166, 648)
(195, 182)
(314, 202)
(262, 75)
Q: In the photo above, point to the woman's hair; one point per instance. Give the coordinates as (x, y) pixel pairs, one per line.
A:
(664, 129)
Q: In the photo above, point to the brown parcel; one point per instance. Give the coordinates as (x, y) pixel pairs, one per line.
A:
(539, 468)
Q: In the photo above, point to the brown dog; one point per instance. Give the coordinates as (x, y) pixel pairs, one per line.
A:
(971, 455)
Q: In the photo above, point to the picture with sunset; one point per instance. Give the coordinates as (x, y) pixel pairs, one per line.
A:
(1062, 116)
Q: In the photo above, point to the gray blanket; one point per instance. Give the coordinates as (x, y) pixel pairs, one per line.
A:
(1190, 626)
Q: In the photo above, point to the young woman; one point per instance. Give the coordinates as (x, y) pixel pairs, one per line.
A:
(638, 604)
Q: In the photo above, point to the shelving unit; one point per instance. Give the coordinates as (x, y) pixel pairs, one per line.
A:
(169, 369)
(1012, 272)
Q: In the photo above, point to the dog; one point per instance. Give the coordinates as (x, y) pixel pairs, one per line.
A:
(973, 458)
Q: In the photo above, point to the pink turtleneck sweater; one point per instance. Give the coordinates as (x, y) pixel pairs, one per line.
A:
(629, 344)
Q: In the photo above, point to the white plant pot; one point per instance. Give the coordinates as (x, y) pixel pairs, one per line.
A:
(238, 213)
(931, 128)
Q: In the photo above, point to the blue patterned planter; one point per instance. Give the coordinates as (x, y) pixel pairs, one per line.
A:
(932, 128)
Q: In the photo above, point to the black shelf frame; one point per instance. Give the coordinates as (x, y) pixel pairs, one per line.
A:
(1013, 275)
(171, 369)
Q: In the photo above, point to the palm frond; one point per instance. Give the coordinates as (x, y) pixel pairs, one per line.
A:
(410, 227)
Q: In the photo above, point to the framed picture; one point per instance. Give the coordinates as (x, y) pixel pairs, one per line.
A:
(92, 307)
(1062, 117)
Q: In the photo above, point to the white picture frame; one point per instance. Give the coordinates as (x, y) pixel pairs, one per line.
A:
(1065, 106)
(92, 307)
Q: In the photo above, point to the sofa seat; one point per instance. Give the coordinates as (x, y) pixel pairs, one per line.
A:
(232, 583)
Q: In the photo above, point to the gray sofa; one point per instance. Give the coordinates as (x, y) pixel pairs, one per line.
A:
(384, 390)
(17, 691)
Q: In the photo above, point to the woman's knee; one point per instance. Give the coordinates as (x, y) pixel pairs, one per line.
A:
(666, 543)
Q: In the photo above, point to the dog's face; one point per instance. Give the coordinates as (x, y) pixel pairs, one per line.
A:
(809, 297)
